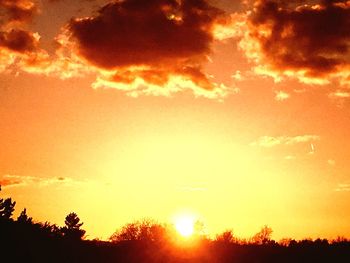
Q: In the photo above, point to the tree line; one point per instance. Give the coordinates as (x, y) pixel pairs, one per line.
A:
(145, 229)
(24, 240)
(72, 228)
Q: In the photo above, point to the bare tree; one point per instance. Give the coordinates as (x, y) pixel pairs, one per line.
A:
(263, 236)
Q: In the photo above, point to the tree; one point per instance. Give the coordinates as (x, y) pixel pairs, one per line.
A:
(226, 236)
(23, 217)
(263, 236)
(145, 229)
(285, 242)
(72, 228)
(51, 230)
(7, 207)
(199, 230)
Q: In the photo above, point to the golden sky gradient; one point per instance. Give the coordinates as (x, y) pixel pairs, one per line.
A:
(236, 112)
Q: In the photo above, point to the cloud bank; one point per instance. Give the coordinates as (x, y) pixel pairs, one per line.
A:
(307, 40)
(144, 47)
(159, 47)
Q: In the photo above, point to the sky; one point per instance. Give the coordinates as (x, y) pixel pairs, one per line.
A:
(237, 112)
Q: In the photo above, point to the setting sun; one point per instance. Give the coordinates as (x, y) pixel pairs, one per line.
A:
(185, 225)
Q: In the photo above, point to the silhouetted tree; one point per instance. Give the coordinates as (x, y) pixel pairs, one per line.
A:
(73, 229)
(340, 239)
(263, 236)
(226, 236)
(145, 229)
(199, 229)
(7, 207)
(321, 242)
(51, 230)
(23, 218)
(285, 242)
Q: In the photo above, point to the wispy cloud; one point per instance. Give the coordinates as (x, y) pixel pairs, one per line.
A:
(173, 84)
(343, 187)
(270, 141)
(340, 94)
(20, 180)
(281, 95)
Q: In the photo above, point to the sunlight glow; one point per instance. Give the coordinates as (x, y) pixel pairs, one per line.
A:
(185, 225)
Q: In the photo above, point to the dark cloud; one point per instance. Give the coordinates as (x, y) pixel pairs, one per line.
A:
(55, 1)
(159, 37)
(17, 10)
(18, 46)
(142, 47)
(18, 40)
(312, 37)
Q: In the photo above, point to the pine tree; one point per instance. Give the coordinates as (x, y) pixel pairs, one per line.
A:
(72, 228)
(7, 207)
(24, 218)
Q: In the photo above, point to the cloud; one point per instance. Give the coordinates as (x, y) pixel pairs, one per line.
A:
(340, 97)
(55, 1)
(18, 41)
(344, 187)
(281, 95)
(307, 40)
(19, 180)
(153, 43)
(17, 10)
(8, 181)
(160, 83)
(138, 33)
(64, 63)
(19, 49)
(269, 141)
(229, 26)
(340, 94)
(155, 47)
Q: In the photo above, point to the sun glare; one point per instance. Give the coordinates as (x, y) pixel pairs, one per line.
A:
(185, 225)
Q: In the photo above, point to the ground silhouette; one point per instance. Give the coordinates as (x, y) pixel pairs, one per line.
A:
(147, 241)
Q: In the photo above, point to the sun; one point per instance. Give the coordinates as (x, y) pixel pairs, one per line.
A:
(184, 225)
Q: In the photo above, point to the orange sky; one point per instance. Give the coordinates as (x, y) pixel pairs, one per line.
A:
(237, 113)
